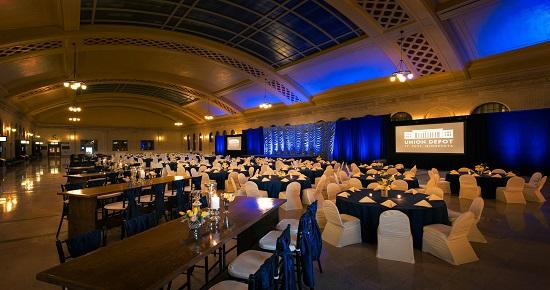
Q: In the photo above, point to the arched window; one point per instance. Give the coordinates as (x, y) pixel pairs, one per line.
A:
(232, 132)
(210, 137)
(200, 141)
(188, 143)
(491, 107)
(401, 116)
(217, 133)
(194, 142)
(224, 132)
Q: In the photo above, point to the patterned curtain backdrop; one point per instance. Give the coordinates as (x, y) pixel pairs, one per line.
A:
(300, 140)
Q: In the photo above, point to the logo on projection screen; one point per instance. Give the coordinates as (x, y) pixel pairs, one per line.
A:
(436, 138)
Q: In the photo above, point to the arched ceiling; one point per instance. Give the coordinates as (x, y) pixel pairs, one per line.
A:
(182, 59)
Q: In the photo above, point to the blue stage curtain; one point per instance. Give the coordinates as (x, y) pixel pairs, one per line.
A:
(359, 139)
(518, 140)
(220, 145)
(313, 139)
(254, 141)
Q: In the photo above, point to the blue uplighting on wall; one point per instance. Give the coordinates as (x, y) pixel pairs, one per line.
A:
(299, 140)
(514, 24)
(359, 139)
(220, 145)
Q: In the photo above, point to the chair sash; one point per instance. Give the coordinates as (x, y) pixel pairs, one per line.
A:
(84, 243)
(287, 275)
(139, 224)
(309, 243)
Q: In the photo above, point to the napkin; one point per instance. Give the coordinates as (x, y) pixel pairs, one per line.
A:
(207, 170)
(412, 191)
(475, 174)
(353, 189)
(454, 172)
(496, 175)
(389, 203)
(344, 194)
(370, 177)
(367, 199)
(284, 180)
(369, 167)
(253, 178)
(423, 203)
(398, 174)
(510, 174)
(385, 167)
(434, 197)
(357, 175)
(265, 179)
(408, 178)
(302, 178)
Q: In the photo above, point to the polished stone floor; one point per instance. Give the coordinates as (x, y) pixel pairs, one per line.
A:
(516, 257)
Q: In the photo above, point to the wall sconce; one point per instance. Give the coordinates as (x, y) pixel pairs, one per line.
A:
(13, 130)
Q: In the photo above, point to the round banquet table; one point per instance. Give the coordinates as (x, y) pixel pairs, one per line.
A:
(274, 186)
(369, 213)
(311, 174)
(220, 177)
(487, 183)
(364, 169)
(413, 183)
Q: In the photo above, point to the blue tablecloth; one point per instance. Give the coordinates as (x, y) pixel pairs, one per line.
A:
(275, 185)
(220, 178)
(312, 174)
(369, 213)
(365, 182)
(487, 183)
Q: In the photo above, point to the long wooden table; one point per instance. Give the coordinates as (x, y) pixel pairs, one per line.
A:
(83, 177)
(83, 202)
(151, 259)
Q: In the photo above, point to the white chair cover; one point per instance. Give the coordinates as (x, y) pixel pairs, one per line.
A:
(513, 192)
(293, 201)
(468, 187)
(400, 185)
(394, 237)
(341, 229)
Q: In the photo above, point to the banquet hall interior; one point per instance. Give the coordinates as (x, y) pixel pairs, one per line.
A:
(274, 144)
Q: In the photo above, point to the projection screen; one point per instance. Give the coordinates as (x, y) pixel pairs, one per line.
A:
(234, 143)
(445, 138)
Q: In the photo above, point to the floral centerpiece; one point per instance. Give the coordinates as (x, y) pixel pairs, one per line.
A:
(384, 185)
(195, 218)
(480, 168)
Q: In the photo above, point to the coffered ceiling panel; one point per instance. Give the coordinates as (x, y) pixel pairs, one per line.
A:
(28, 13)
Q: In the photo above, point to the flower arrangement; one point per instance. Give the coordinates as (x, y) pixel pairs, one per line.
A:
(385, 183)
(481, 167)
(194, 217)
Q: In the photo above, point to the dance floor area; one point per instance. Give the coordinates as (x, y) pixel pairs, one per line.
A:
(515, 257)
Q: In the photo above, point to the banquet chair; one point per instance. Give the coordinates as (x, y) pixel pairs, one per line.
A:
(341, 229)
(250, 171)
(372, 186)
(138, 224)
(499, 171)
(450, 243)
(468, 187)
(392, 171)
(320, 213)
(65, 209)
(399, 166)
(194, 172)
(354, 182)
(535, 179)
(251, 189)
(205, 180)
(399, 185)
(513, 192)
(372, 171)
(464, 170)
(441, 182)
(229, 185)
(343, 176)
(534, 194)
(292, 196)
(332, 190)
(394, 237)
(128, 206)
(477, 209)
(250, 261)
(242, 181)
(263, 278)
(264, 169)
(80, 245)
(434, 190)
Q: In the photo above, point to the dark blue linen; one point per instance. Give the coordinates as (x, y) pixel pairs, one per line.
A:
(139, 224)
(365, 182)
(487, 184)
(132, 209)
(264, 278)
(309, 243)
(158, 192)
(287, 275)
(369, 213)
(359, 139)
(275, 185)
(220, 145)
(84, 243)
(254, 141)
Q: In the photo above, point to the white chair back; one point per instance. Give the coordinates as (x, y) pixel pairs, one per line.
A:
(392, 171)
(394, 223)
(498, 171)
(250, 171)
(242, 180)
(467, 180)
(372, 185)
(515, 183)
(461, 226)
(293, 196)
(400, 185)
(332, 214)
(251, 189)
(194, 172)
(464, 169)
(541, 183)
(434, 190)
(477, 207)
(354, 182)
(535, 178)
(332, 190)
(372, 171)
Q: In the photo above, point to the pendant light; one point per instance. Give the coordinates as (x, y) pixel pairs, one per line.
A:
(208, 116)
(402, 74)
(265, 105)
(74, 84)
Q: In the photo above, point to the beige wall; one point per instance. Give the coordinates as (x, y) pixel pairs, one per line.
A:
(10, 120)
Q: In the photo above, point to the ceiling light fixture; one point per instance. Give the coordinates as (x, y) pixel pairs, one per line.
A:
(265, 105)
(402, 74)
(75, 109)
(74, 84)
(72, 119)
(178, 124)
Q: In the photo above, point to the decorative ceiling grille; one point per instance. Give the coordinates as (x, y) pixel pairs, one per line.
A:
(30, 47)
(211, 55)
(175, 96)
(40, 90)
(386, 12)
(421, 54)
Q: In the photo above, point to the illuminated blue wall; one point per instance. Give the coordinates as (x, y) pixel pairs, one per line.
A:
(360, 139)
(299, 140)
(220, 145)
